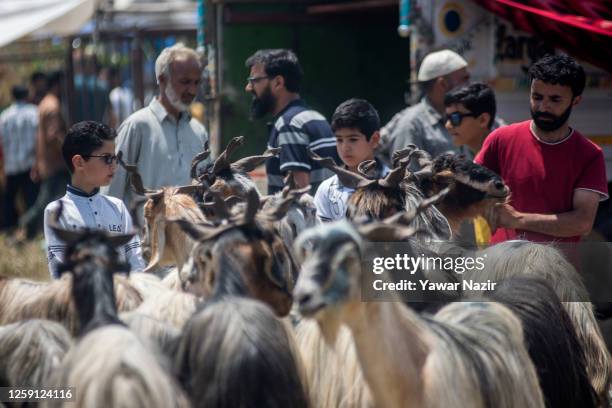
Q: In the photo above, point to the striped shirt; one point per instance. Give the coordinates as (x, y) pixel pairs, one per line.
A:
(18, 127)
(295, 130)
(95, 211)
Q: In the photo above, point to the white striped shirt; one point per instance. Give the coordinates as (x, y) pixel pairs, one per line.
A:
(18, 127)
(95, 211)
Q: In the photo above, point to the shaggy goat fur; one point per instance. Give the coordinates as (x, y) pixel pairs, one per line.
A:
(523, 258)
(469, 353)
(22, 299)
(110, 367)
(171, 307)
(236, 353)
(30, 351)
(551, 341)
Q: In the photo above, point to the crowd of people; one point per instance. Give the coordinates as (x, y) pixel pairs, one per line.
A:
(210, 332)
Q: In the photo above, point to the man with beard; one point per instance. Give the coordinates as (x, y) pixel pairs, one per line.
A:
(162, 138)
(556, 175)
(274, 81)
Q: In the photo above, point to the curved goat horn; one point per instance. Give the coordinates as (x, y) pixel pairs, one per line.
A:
(250, 163)
(367, 168)
(135, 178)
(252, 199)
(347, 177)
(200, 157)
(223, 161)
(395, 176)
(402, 154)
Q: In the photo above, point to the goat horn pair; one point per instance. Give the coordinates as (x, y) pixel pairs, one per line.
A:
(136, 179)
(347, 177)
(368, 169)
(250, 163)
(289, 197)
(223, 161)
(395, 176)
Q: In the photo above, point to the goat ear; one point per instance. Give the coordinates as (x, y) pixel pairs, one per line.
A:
(195, 231)
(223, 161)
(119, 240)
(190, 189)
(67, 236)
(248, 164)
(346, 177)
(381, 232)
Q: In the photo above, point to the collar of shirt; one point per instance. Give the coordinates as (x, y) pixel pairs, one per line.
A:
(161, 113)
(80, 193)
(433, 116)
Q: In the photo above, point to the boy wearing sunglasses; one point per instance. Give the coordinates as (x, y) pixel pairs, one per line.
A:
(470, 114)
(89, 153)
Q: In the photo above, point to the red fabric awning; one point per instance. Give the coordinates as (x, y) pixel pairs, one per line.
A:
(583, 28)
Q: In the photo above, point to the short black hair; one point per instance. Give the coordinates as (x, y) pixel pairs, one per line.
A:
(357, 114)
(559, 69)
(478, 98)
(37, 76)
(20, 92)
(279, 62)
(55, 78)
(83, 138)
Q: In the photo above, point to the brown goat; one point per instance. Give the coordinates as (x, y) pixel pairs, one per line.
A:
(243, 256)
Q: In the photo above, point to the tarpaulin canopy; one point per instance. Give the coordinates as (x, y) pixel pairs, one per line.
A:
(583, 28)
(19, 18)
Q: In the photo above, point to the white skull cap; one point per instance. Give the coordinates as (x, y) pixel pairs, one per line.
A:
(439, 63)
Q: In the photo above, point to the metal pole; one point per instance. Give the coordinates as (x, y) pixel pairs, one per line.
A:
(404, 19)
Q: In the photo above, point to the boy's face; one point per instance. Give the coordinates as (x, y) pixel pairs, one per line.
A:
(469, 130)
(95, 170)
(353, 146)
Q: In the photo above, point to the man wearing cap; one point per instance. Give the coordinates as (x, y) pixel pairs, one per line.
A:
(423, 124)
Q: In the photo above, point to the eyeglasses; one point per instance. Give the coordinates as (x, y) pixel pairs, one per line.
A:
(254, 80)
(456, 118)
(106, 158)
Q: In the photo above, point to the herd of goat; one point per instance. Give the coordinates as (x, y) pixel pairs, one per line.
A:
(261, 305)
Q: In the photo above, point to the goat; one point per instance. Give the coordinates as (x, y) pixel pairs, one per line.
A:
(227, 178)
(523, 258)
(108, 365)
(30, 351)
(169, 245)
(235, 353)
(551, 341)
(469, 353)
(243, 256)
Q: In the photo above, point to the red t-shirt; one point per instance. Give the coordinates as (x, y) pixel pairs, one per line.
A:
(542, 176)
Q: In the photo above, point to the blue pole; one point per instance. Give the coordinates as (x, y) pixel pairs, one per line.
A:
(201, 38)
(404, 22)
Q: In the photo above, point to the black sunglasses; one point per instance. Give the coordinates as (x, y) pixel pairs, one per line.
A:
(456, 118)
(106, 158)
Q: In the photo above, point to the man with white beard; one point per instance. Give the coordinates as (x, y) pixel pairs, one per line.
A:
(162, 138)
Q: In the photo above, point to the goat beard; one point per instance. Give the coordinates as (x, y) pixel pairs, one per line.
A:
(175, 100)
(262, 104)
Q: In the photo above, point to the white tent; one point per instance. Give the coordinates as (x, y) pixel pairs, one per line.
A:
(19, 18)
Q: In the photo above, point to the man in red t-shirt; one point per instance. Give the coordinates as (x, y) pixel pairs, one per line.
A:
(556, 176)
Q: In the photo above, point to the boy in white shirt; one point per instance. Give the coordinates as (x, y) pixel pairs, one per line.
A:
(356, 125)
(89, 153)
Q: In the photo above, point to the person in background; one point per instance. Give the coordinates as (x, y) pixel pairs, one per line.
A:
(38, 87)
(470, 114)
(162, 138)
(556, 175)
(423, 124)
(18, 128)
(121, 98)
(49, 167)
(356, 125)
(274, 82)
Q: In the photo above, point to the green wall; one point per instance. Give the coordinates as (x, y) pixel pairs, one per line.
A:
(341, 60)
